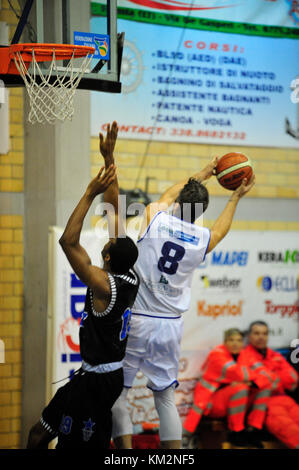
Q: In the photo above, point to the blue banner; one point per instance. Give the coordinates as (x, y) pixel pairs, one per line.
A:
(202, 87)
(100, 42)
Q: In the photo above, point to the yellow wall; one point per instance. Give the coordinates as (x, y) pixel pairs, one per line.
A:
(11, 268)
(277, 172)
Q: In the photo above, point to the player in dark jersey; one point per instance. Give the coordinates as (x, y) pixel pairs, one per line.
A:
(80, 412)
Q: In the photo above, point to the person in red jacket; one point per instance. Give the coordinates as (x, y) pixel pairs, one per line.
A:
(223, 390)
(282, 418)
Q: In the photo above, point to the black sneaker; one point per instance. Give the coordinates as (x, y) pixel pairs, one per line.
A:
(254, 438)
(238, 439)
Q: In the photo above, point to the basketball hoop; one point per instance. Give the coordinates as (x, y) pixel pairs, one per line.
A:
(51, 90)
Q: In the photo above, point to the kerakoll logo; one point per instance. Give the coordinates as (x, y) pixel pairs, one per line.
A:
(284, 310)
(278, 283)
(216, 310)
(287, 257)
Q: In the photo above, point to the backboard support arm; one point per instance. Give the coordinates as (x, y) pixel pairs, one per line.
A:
(22, 22)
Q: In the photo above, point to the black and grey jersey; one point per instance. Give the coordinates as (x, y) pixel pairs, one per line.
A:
(103, 335)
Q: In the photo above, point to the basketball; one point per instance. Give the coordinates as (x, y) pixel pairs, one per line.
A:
(232, 168)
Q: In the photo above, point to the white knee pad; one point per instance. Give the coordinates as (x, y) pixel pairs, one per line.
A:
(121, 421)
(170, 421)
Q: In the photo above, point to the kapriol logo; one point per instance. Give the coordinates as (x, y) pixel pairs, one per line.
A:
(293, 11)
(216, 310)
(173, 5)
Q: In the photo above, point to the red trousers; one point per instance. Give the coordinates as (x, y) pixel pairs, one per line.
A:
(283, 420)
(233, 402)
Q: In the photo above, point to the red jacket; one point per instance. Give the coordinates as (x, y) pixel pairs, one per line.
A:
(219, 368)
(276, 371)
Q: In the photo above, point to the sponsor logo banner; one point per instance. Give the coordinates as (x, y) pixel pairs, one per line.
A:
(223, 284)
(290, 257)
(215, 310)
(278, 283)
(283, 310)
(269, 296)
(193, 88)
(276, 18)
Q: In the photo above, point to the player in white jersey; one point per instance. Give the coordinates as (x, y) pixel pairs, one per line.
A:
(170, 247)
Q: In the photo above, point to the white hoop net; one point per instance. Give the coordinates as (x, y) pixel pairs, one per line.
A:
(51, 101)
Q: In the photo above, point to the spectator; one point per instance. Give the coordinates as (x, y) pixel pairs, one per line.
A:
(282, 419)
(224, 390)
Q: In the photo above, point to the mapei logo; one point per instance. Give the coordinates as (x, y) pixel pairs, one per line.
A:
(216, 310)
(293, 10)
(229, 258)
(222, 283)
(287, 257)
(278, 283)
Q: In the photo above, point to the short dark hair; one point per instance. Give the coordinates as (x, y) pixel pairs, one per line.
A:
(257, 322)
(123, 255)
(195, 194)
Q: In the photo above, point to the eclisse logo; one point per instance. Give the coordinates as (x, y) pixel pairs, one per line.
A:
(284, 310)
(278, 283)
(216, 310)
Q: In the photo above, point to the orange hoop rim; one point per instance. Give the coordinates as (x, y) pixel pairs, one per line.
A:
(42, 51)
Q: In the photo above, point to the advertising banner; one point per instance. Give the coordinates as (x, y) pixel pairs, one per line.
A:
(185, 85)
(249, 276)
(238, 14)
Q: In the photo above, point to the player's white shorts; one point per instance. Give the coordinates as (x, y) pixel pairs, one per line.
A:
(153, 348)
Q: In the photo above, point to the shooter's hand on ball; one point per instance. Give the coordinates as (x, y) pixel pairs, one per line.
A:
(209, 170)
(243, 189)
(107, 144)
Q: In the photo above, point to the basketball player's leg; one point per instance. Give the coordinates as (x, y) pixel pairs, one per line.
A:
(48, 426)
(162, 374)
(122, 428)
(170, 422)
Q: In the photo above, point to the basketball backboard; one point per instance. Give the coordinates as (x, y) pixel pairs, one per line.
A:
(57, 21)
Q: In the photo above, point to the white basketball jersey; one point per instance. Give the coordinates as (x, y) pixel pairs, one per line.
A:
(169, 252)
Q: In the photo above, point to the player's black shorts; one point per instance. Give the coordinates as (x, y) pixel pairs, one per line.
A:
(80, 411)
